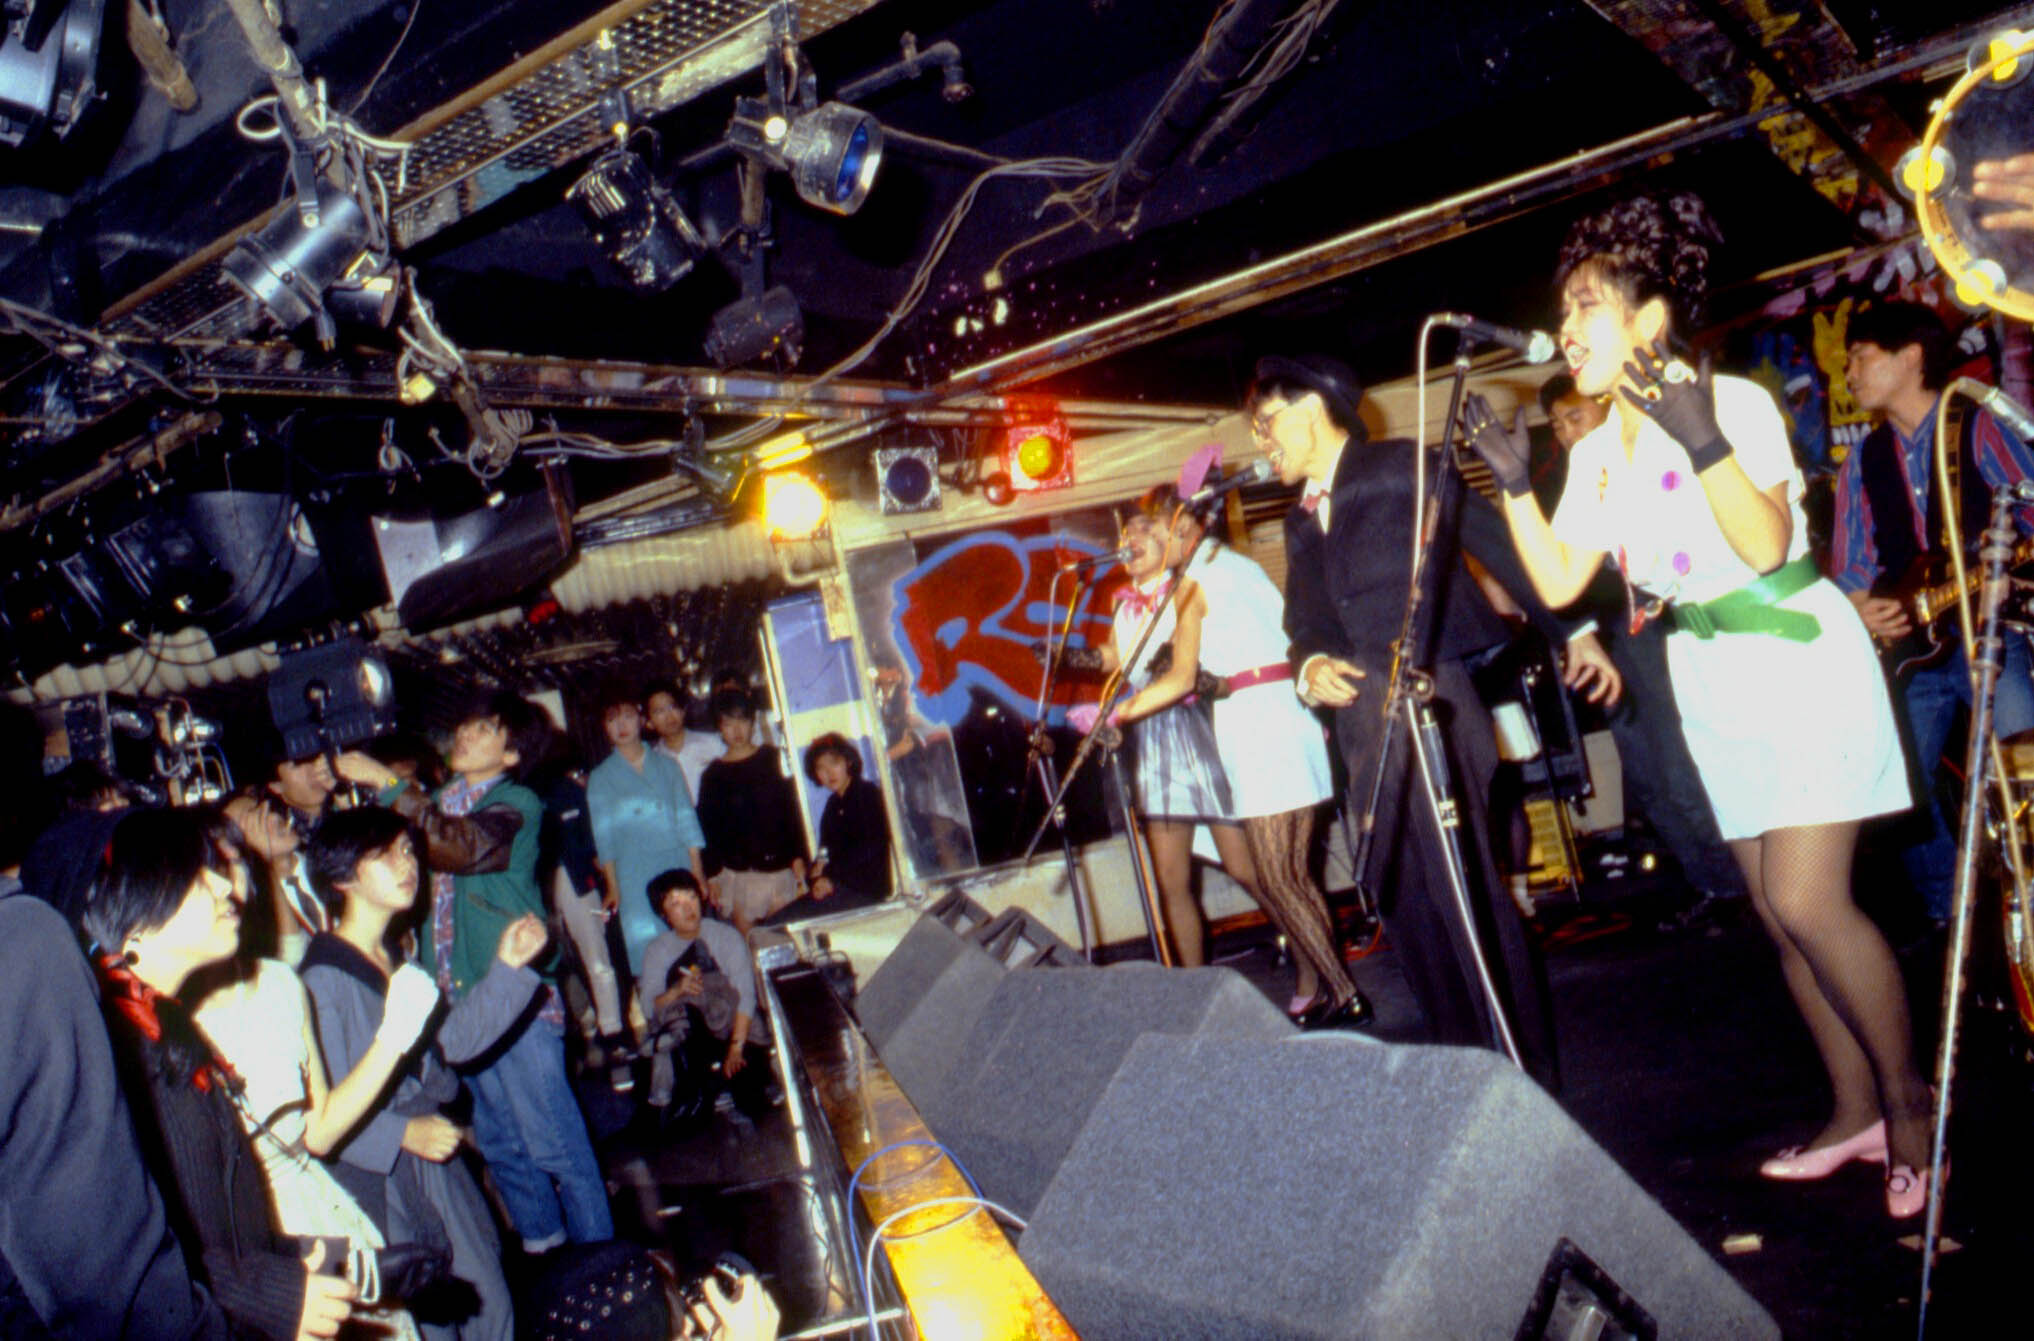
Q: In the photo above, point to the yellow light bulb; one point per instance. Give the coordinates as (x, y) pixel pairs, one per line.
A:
(794, 507)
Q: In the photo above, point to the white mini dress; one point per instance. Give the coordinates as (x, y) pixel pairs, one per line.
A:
(1783, 733)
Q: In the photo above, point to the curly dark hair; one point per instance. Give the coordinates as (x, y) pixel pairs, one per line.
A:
(1648, 247)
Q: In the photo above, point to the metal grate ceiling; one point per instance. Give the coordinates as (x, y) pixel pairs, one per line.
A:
(530, 119)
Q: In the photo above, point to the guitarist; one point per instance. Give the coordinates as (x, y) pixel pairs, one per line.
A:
(1888, 516)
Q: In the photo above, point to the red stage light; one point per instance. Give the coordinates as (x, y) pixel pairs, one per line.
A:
(1038, 453)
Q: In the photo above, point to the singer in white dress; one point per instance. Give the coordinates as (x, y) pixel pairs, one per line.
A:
(1690, 490)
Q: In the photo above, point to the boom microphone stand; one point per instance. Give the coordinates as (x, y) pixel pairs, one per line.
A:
(1038, 757)
(1987, 660)
(1409, 704)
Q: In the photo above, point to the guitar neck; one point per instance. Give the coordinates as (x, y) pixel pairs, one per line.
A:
(1933, 602)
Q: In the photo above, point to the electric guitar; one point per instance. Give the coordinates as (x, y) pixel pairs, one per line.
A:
(1927, 591)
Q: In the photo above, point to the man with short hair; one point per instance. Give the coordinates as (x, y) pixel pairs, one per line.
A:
(481, 837)
(1346, 545)
(664, 708)
(1888, 516)
(698, 990)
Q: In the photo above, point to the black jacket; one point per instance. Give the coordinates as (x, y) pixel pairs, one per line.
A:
(219, 1205)
(1345, 591)
(85, 1249)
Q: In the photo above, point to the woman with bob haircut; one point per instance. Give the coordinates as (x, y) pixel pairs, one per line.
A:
(853, 867)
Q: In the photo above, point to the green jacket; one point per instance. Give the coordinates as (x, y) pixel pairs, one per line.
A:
(486, 903)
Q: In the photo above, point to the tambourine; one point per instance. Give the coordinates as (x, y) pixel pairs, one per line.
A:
(1986, 115)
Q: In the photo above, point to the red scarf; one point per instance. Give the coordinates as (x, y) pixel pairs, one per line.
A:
(138, 1002)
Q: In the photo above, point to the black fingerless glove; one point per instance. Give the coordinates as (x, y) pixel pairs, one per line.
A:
(1680, 399)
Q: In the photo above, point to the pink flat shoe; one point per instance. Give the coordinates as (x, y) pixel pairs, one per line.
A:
(1795, 1164)
(1907, 1190)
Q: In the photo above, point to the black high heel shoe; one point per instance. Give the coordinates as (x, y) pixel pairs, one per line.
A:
(1355, 1013)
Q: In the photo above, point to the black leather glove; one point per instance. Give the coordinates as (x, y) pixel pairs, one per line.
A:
(1681, 400)
(1071, 657)
(1507, 451)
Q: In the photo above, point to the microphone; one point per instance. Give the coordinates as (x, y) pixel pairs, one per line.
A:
(1098, 560)
(2003, 407)
(1533, 346)
(1257, 472)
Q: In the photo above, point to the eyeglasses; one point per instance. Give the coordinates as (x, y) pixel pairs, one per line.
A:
(1260, 424)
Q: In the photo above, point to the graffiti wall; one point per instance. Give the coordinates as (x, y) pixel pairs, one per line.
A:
(951, 625)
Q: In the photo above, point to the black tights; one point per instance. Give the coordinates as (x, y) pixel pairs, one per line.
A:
(1844, 981)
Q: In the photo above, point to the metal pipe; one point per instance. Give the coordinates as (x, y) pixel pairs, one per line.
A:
(943, 56)
(298, 100)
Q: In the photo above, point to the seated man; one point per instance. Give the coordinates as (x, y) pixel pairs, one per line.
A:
(698, 989)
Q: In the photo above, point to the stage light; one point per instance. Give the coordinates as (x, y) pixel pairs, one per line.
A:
(49, 58)
(907, 479)
(330, 697)
(635, 220)
(287, 267)
(1038, 454)
(794, 507)
(749, 328)
(831, 151)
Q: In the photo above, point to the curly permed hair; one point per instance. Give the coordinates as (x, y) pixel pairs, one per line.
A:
(1648, 247)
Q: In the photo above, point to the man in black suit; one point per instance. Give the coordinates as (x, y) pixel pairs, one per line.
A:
(1348, 547)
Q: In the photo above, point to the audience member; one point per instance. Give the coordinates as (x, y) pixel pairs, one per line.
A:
(399, 1163)
(643, 821)
(755, 844)
(85, 1247)
(698, 988)
(481, 834)
(664, 709)
(161, 909)
(853, 868)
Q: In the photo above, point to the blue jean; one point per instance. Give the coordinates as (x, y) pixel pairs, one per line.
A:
(533, 1137)
(1932, 698)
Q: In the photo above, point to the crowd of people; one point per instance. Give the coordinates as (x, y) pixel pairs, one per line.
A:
(297, 1066)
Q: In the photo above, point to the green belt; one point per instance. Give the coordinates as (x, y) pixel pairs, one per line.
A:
(1754, 607)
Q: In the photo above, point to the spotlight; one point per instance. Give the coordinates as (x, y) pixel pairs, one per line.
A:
(636, 221)
(331, 696)
(907, 479)
(831, 151)
(49, 57)
(288, 266)
(1038, 454)
(751, 327)
(794, 507)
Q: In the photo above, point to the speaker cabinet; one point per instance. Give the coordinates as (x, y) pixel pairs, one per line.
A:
(1328, 1186)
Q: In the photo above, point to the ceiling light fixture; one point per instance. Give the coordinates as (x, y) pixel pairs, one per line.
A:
(635, 220)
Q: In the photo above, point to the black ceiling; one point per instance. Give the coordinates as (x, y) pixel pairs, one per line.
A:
(1393, 106)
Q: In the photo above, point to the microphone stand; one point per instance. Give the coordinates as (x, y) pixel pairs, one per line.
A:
(1409, 706)
(1038, 759)
(1987, 662)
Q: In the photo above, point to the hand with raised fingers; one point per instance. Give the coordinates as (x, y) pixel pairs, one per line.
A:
(1680, 399)
(1507, 451)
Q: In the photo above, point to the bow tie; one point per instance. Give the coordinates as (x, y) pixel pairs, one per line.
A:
(1311, 498)
(1141, 602)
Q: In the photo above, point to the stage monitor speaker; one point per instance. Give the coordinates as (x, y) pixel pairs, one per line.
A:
(1047, 1045)
(1016, 939)
(921, 1003)
(1330, 1186)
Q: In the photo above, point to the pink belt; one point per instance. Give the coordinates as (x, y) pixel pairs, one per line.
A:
(1278, 670)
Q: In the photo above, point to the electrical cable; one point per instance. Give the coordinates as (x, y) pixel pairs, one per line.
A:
(382, 69)
(868, 1262)
(918, 1142)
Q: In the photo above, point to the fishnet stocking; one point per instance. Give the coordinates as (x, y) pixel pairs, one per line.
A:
(1286, 889)
(1844, 980)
